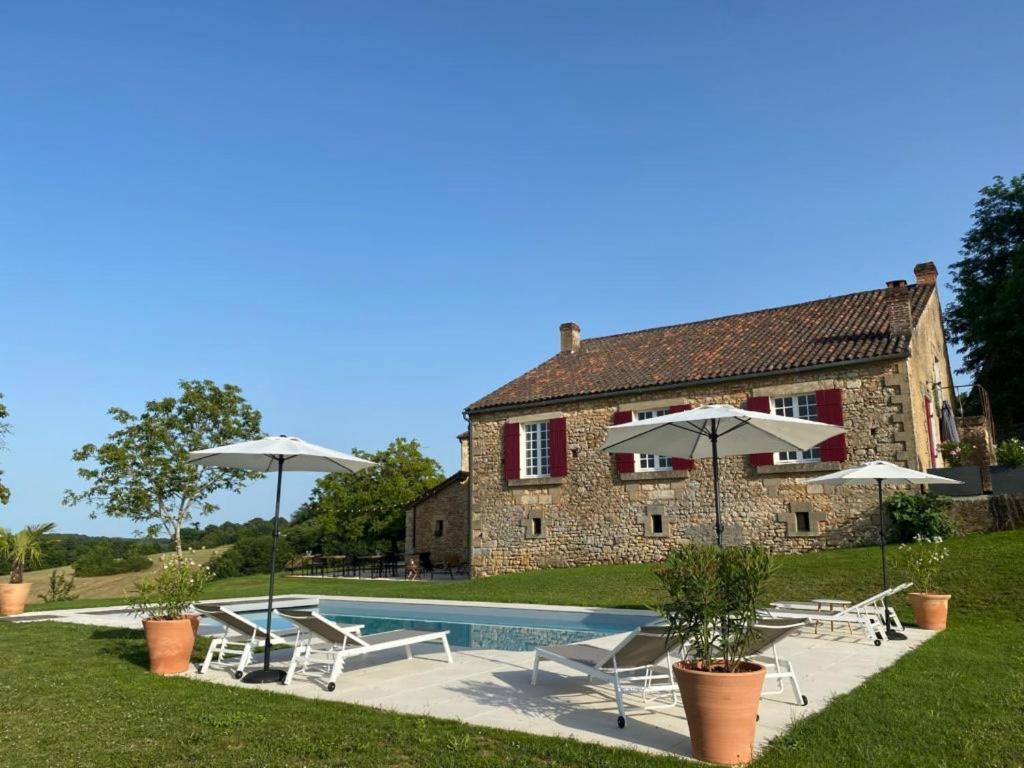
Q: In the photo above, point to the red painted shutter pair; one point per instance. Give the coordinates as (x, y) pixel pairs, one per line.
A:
(830, 411)
(760, 405)
(625, 462)
(558, 462)
(679, 463)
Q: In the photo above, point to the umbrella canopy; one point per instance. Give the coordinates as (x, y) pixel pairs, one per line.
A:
(700, 433)
(262, 456)
(876, 473)
(711, 431)
(283, 454)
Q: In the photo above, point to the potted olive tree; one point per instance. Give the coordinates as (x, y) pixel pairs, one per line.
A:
(164, 601)
(922, 561)
(711, 609)
(21, 549)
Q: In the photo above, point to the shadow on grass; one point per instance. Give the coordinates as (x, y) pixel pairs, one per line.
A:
(130, 645)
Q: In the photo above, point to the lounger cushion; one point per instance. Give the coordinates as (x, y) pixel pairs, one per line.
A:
(396, 634)
(581, 653)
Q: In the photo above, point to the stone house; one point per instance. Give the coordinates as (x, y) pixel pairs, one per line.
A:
(438, 521)
(541, 493)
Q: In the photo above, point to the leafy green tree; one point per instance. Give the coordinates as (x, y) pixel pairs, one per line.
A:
(367, 509)
(5, 429)
(985, 318)
(141, 473)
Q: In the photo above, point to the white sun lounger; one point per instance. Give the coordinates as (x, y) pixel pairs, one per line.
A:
(868, 615)
(333, 644)
(240, 638)
(640, 664)
(764, 650)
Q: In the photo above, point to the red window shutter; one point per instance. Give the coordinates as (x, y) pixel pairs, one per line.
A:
(558, 460)
(624, 462)
(830, 411)
(680, 463)
(511, 450)
(760, 405)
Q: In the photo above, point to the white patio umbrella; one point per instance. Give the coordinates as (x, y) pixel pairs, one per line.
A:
(284, 454)
(877, 473)
(711, 431)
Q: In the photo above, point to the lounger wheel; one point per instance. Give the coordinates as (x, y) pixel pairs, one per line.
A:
(622, 721)
(331, 686)
(877, 642)
(805, 701)
(238, 674)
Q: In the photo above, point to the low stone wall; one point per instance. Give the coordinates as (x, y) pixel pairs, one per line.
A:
(996, 512)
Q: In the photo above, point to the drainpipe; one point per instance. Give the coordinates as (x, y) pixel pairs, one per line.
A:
(469, 490)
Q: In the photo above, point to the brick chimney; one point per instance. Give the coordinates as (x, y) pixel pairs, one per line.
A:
(464, 451)
(897, 299)
(570, 337)
(925, 273)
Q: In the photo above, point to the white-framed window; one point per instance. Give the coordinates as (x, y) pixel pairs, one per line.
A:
(799, 407)
(536, 449)
(649, 462)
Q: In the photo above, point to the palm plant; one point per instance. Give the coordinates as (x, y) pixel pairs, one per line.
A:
(24, 548)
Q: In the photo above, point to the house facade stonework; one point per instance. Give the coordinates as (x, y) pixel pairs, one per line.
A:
(542, 493)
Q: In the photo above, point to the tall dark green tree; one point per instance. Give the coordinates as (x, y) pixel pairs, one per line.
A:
(986, 317)
(367, 510)
(141, 473)
(5, 428)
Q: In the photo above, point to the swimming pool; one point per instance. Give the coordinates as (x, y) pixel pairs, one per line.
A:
(475, 626)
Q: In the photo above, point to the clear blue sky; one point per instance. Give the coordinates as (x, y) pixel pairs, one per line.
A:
(367, 215)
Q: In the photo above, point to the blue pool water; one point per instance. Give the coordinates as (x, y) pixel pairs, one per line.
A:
(510, 629)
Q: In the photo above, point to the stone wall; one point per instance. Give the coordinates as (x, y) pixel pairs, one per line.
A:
(450, 506)
(928, 362)
(594, 515)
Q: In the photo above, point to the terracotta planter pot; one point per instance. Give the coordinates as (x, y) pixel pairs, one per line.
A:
(930, 610)
(13, 598)
(721, 710)
(195, 618)
(170, 643)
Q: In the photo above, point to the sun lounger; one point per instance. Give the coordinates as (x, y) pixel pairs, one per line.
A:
(241, 638)
(333, 643)
(640, 664)
(868, 615)
(764, 650)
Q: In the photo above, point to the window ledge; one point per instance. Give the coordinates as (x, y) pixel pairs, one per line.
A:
(534, 482)
(799, 468)
(654, 475)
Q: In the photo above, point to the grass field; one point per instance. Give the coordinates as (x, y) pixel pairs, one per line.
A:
(956, 701)
(99, 589)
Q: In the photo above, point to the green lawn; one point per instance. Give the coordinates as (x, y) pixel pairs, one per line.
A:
(81, 696)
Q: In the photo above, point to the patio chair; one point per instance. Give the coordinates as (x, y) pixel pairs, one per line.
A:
(241, 638)
(334, 644)
(455, 564)
(763, 649)
(640, 664)
(868, 615)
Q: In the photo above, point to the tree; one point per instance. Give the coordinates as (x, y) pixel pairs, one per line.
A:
(141, 472)
(366, 509)
(24, 548)
(5, 429)
(985, 318)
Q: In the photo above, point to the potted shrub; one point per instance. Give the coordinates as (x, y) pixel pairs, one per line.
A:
(711, 609)
(164, 601)
(922, 561)
(21, 549)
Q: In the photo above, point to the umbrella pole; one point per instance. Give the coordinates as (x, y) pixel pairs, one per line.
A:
(714, 473)
(268, 675)
(889, 631)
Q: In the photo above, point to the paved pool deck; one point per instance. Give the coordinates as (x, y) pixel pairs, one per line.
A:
(492, 688)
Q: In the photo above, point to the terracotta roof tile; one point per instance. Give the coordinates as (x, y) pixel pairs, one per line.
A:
(823, 332)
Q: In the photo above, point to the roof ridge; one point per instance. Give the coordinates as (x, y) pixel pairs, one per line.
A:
(735, 314)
